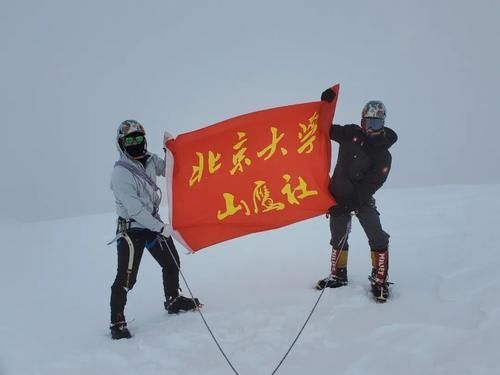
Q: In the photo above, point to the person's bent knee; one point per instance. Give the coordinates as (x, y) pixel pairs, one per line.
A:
(381, 241)
(124, 284)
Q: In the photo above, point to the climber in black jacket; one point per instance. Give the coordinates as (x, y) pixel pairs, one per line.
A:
(363, 164)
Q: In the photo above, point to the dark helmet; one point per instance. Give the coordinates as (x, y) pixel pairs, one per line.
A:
(130, 126)
(373, 116)
(374, 109)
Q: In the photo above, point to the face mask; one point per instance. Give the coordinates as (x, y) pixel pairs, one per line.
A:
(136, 151)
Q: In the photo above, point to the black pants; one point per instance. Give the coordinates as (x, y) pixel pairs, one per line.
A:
(130, 248)
(368, 217)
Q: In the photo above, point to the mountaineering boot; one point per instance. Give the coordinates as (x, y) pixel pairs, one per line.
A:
(180, 303)
(380, 291)
(119, 328)
(334, 281)
(378, 278)
(338, 275)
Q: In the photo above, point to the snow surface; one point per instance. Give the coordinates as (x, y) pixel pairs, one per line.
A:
(257, 290)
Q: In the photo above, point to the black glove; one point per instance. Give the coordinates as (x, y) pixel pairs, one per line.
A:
(328, 95)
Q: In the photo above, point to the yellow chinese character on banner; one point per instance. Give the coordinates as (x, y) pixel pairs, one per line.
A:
(231, 209)
(197, 170)
(271, 149)
(239, 158)
(293, 195)
(213, 162)
(262, 198)
(213, 165)
(307, 134)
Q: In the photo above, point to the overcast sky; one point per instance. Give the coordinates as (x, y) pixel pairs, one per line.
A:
(71, 71)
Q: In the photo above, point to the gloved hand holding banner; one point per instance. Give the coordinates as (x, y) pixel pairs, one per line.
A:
(251, 173)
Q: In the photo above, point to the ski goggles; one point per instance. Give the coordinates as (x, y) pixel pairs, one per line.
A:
(373, 123)
(133, 139)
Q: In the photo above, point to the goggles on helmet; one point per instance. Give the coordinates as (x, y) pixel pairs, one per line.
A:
(372, 123)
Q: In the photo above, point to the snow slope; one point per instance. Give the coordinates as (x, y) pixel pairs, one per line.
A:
(443, 319)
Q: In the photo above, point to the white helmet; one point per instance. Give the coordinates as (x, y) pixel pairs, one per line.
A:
(374, 109)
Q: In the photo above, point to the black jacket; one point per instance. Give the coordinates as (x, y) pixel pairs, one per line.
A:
(363, 164)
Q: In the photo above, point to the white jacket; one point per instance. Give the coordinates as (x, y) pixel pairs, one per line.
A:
(135, 198)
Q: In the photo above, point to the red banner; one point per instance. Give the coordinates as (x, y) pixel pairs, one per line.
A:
(251, 173)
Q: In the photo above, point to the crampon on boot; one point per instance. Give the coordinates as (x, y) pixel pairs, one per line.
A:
(379, 289)
(180, 303)
(119, 328)
(378, 277)
(330, 282)
(333, 281)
